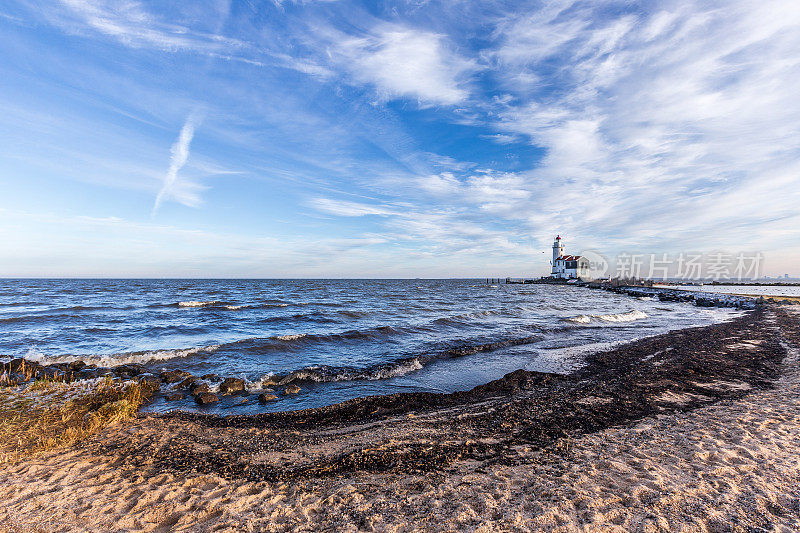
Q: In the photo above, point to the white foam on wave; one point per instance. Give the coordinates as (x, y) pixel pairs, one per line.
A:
(193, 303)
(292, 337)
(397, 371)
(580, 319)
(630, 316)
(112, 360)
(319, 374)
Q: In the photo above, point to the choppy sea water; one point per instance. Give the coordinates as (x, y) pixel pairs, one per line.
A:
(336, 339)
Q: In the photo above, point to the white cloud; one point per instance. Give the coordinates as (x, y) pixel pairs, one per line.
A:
(659, 127)
(502, 138)
(406, 62)
(131, 24)
(346, 208)
(182, 191)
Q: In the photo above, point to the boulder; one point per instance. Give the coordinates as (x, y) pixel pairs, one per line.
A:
(16, 365)
(9, 380)
(76, 365)
(292, 389)
(187, 383)
(174, 397)
(22, 366)
(198, 387)
(88, 373)
(150, 380)
(174, 376)
(130, 370)
(206, 398)
(49, 372)
(231, 385)
(266, 397)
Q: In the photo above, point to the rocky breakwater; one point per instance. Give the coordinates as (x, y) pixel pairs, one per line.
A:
(171, 385)
(700, 298)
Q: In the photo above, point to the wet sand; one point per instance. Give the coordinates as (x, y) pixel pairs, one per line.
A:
(694, 430)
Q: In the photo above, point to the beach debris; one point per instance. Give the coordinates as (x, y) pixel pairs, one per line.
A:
(292, 389)
(206, 398)
(265, 397)
(231, 385)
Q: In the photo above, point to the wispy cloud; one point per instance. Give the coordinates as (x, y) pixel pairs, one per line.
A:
(132, 24)
(185, 193)
(345, 208)
(659, 126)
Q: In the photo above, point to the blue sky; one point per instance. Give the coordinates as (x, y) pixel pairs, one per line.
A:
(393, 139)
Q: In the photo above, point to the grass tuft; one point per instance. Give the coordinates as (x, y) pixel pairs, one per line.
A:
(47, 414)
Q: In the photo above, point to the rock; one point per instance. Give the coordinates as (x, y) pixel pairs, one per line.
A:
(198, 387)
(76, 365)
(231, 385)
(15, 365)
(187, 383)
(128, 371)
(292, 389)
(174, 397)
(174, 376)
(22, 366)
(211, 377)
(241, 400)
(150, 380)
(49, 372)
(266, 397)
(9, 380)
(206, 398)
(88, 373)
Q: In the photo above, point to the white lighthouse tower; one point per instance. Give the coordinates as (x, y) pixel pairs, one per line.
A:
(558, 251)
(568, 266)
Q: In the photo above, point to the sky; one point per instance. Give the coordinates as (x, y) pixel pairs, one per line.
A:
(393, 139)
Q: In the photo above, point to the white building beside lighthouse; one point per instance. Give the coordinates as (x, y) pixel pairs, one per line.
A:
(567, 266)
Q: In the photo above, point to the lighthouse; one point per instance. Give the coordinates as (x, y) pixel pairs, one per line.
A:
(568, 266)
(558, 251)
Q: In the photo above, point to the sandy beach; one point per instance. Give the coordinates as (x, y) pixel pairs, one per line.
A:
(696, 430)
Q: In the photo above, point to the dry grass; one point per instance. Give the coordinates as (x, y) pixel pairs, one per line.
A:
(46, 415)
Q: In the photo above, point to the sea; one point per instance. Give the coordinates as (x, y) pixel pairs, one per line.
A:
(335, 339)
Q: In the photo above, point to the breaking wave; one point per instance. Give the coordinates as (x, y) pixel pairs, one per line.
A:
(290, 340)
(197, 304)
(401, 367)
(217, 304)
(124, 358)
(630, 316)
